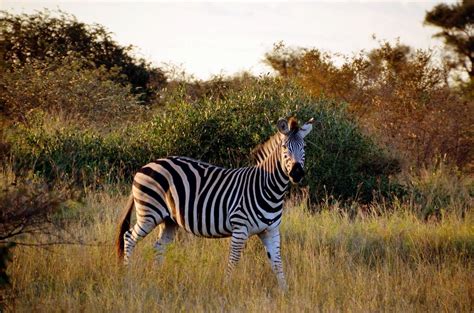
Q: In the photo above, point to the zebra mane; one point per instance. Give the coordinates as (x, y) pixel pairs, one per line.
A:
(263, 150)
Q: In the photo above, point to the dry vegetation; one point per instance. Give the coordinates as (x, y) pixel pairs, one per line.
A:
(389, 174)
(399, 95)
(387, 263)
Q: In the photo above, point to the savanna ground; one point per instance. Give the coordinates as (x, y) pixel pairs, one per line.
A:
(388, 225)
(393, 262)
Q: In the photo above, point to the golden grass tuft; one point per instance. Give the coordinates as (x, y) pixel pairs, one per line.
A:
(389, 263)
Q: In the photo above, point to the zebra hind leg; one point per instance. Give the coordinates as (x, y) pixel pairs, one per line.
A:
(237, 244)
(139, 231)
(167, 234)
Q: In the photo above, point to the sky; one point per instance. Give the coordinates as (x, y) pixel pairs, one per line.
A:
(227, 37)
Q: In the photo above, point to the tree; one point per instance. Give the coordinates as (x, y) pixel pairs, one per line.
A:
(26, 38)
(395, 92)
(457, 24)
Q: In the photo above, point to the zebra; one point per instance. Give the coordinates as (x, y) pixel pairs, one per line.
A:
(215, 202)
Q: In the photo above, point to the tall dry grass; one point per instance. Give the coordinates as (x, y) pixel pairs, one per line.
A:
(394, 262)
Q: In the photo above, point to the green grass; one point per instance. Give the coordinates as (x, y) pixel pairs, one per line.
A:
(394, 262)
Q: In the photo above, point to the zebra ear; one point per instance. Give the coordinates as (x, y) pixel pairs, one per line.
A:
(282, 126)
(307, 127)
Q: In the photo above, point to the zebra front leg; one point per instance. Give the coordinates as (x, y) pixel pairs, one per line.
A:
(167, 235)
(271, 241)
(237, 244)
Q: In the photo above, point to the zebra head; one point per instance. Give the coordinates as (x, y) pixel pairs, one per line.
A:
(292, 147)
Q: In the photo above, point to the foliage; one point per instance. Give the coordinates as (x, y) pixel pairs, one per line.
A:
(396, 94)
(438, 190)
(73, 122)
(225, 130)
(5, 282)
(214, 88)
(43, 36)
(5, 257)
(69, 90)
(26, 207)
(457, 29)
(70, 153)
(27, 211)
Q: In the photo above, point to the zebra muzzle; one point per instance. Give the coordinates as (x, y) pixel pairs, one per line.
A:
(297, 173)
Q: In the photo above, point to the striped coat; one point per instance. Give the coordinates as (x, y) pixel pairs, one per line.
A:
(215, 202)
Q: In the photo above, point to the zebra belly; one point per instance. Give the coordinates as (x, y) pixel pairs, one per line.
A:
(215, 236)
(198, 216)
(202, 231)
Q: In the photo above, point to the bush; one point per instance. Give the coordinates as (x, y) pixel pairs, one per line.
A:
(70, 153)
(5, 258)
(31, 210)
(27, 209)
(439, 189)
(223, 131)
(68, 90)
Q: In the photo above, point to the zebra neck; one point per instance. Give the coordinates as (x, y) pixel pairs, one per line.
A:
(274, 177)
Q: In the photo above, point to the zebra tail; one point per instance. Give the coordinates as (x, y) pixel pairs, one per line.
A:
(123, 226)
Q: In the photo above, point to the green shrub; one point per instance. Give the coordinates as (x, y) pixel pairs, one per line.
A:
(83, 156)
(223, 131)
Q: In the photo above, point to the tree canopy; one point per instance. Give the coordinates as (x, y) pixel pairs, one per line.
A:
(25, 38)
(457, 29)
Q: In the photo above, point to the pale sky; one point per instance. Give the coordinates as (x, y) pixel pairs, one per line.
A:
(207, 38)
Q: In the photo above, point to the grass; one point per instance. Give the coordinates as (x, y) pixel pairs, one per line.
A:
(394, 262)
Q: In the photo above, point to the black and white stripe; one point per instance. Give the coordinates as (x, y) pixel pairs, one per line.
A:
(215, 202)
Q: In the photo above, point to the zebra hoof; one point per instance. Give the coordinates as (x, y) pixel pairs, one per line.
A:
(283, 286)
(159, 260)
